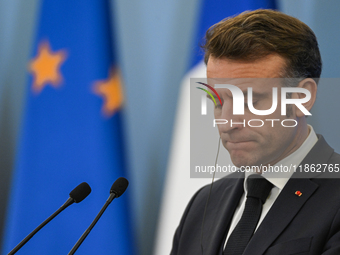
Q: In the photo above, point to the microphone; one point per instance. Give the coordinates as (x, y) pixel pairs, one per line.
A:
(77, 195)
(117, 189)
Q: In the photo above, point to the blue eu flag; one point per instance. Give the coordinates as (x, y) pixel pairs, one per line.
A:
(71, 133)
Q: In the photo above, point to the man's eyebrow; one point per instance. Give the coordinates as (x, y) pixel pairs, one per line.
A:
(255, 94)
(245, 93)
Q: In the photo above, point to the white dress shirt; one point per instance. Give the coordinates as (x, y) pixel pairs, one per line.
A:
(278, 183)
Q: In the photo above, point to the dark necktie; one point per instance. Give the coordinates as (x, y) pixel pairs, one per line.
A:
(258, 191)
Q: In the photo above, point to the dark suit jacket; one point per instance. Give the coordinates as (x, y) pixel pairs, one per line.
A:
(299, 225)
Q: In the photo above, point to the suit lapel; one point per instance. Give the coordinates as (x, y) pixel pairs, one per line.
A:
(287, 205)
(222, 216)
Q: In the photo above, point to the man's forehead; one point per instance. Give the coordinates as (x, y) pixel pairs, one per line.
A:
(270, 66)
(244, 83)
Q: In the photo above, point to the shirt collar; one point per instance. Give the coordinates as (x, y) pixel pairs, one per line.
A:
(293, 159)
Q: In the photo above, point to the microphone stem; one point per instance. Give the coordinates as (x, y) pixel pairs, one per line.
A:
(88, 230)
(68, 202)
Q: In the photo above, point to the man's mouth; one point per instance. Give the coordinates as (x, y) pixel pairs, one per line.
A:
(238, 144)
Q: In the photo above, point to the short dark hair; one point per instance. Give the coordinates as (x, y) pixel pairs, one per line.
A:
(252, 35)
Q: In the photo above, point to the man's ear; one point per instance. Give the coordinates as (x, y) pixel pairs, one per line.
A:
(312, 87)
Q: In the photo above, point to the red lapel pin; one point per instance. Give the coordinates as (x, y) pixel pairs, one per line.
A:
(298, 193)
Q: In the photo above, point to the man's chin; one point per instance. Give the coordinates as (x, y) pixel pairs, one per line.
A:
(241, 160)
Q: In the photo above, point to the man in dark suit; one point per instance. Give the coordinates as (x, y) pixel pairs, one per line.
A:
(294, 212)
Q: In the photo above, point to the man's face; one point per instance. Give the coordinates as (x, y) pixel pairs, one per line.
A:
(253, 145)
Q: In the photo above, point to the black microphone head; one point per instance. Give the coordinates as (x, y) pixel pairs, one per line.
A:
(119, 186)
(80, 192)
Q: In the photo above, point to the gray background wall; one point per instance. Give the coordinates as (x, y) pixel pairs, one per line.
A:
(154, 37)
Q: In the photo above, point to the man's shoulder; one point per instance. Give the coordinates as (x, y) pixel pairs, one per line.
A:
(321, 162)
(321, 153)
(335, 158)
(323, 148)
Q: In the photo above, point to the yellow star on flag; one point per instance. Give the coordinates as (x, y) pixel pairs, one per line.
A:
(111, 91)
(45, 67)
